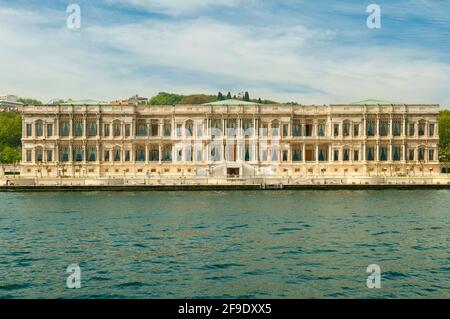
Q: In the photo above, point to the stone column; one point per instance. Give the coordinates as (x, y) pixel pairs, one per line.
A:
(2, 171)
(304, 153)
(160, 153)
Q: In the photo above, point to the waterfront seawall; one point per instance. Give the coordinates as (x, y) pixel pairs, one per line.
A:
(198, 184)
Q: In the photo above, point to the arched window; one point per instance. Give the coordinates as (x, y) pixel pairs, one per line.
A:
(92, 154)
(39, 154)
(140, 154)
(370, 154)
(64, 128)
(78, 154)
(422, 127)
(167, 153)
(92, 128)
(117, 154)
(422, 154)
(39, 128)
(383, 153)
(64, 154)
(189, 128)
(346, 155)
(346, 128)
(396, 153)
(141, 128)
(117, 128)
(154, 153)
(275, 128)
(78, 128)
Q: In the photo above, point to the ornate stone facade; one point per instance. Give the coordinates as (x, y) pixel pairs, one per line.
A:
(229, 140)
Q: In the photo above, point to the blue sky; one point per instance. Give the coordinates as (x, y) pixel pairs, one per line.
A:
(289, 50)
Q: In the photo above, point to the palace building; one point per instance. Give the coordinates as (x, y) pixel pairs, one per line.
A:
(230, 139)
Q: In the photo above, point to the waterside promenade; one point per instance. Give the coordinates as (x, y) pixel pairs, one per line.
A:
(16, 183)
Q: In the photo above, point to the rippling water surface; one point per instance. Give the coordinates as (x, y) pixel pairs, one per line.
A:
(311, 244)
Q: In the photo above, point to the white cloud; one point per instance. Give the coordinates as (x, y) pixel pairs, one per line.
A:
(204, 55)
(177, 7)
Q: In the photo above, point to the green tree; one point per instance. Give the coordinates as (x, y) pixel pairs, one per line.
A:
(10, 137)
(444, 136)
(28, 101)
(9, 155)
(220, 97)
(247, 97)
(198, 99)
(229, 96)
(164, 98)
(10, 129)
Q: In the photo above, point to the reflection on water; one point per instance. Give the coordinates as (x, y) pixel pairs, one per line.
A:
(225, 244)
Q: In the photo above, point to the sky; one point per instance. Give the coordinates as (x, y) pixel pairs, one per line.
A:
(311, 52)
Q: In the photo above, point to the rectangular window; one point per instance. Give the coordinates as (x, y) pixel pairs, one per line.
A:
(396, 153)
(117, 155)
(370, 154)
(78, 128)
(117, 127)
(39, 155)
(155, 129)
(64, 154)
(321, 129)
(141, 129)
(78, 154)
(336, 130)
(39, 129)
(167, 154)
(49, 130)
(264, 129)
(167, 129)
(65, 129)
(29, 130)
(308, 129)
(92, 154)
(421, 128)
(355, 130)
(355, 156)
(92, 129)
(421, 154)
(346, 155)
(127, 130)
(431, 130)
(346, 129)
(127, 156)
(106, 130)
(411, 155)
(140, 155)
(106, 156)
(396, 128)
(384, 128)
(431, 155)
(29, 156)
(296, 129)
(49, 156)
(370, 129)
(285, 130)
(383, 154)
(154, 154)
(179, 130)
(296, 154)
(248, 125)
(336, 155)
(412, 129)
